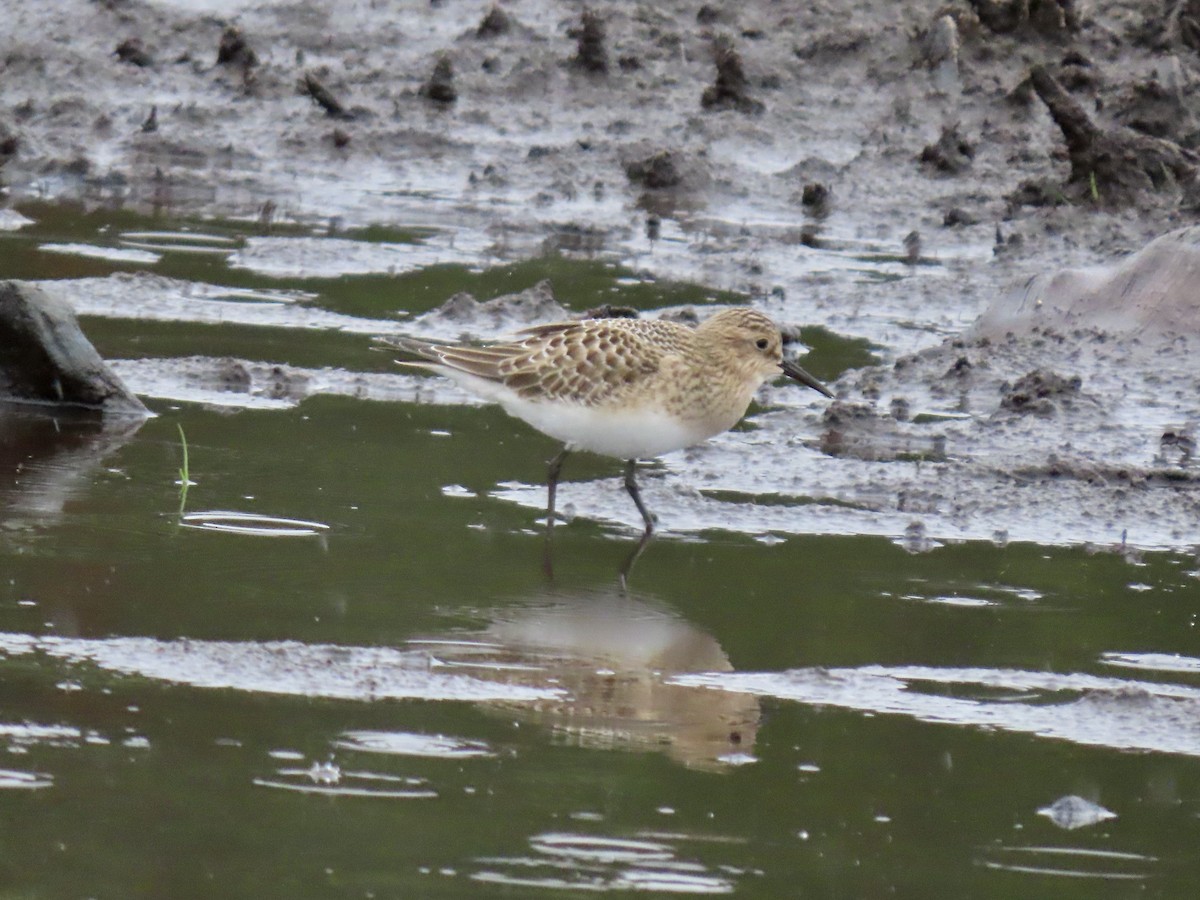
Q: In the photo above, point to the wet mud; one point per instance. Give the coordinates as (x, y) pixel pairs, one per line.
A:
(890, 173)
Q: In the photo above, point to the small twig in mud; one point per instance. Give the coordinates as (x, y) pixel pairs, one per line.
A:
(590, 54)
(323, 98)
(731, 89)
(1121, 162)
(440, 86)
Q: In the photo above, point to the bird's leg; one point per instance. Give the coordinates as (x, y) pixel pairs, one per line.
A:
(552, 473)
(632, 487)
(554, 468)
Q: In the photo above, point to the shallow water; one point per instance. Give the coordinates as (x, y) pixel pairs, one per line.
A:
(335, 667)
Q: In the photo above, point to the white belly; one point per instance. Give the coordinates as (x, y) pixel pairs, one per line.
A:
(626, 434)
(636, 433)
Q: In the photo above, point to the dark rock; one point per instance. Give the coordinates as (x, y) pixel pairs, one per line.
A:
(47, 359)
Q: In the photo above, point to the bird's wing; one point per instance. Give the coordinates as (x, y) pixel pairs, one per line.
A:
(561, 361)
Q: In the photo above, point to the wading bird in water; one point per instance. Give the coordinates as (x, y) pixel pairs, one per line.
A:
(629, 388)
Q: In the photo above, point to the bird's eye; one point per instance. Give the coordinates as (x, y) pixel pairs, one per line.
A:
(761, 343)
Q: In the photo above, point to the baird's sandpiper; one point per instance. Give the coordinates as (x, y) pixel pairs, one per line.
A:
(629, 388)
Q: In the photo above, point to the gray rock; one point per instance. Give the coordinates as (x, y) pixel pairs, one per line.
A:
(46, 358)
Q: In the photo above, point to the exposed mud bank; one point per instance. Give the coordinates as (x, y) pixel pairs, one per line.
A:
(522, 119)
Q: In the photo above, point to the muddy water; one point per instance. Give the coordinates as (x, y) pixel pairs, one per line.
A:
(334, 667)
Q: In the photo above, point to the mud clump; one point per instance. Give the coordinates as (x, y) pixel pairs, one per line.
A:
(590, 53)
(951, 153)
(495, 23)
(9, 144)
(956, 217)
(833, 45)
(817, 199)
(463, 315)
(440, 86)
(731, 90)
(1110, 166)
(1046, 18)
(1040, 392)
(655, 172)
(858, 431)
(235, 50)
(132, 51)
(608, 311)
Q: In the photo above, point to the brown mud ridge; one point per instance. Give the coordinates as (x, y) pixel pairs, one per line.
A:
(954, 148)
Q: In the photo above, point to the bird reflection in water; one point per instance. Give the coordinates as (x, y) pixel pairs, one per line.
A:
(614, 655)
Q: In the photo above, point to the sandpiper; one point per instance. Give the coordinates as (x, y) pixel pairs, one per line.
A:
(629, 388)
